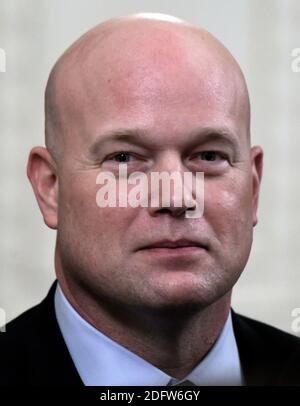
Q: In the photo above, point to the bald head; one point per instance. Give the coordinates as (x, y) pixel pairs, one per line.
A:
(161, 96)
(138, 49)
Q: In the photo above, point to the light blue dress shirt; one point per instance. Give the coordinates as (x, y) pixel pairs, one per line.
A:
(100, 361)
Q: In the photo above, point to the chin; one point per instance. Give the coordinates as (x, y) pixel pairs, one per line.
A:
(183, 297)
(184, 289)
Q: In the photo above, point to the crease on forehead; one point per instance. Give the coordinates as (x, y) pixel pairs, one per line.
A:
(98, 54)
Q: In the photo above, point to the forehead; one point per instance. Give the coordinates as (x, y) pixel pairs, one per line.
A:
(152, 76)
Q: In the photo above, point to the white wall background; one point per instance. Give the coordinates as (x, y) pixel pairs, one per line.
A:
(260, 33)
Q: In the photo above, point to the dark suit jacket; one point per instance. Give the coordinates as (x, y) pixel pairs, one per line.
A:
(33, 351)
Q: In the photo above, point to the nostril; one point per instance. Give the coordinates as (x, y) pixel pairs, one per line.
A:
(164, 210)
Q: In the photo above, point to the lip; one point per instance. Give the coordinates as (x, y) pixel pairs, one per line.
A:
(172, 252)
(177, 253)
(180, 245)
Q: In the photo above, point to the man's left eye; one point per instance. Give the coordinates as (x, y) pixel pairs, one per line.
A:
(210, 156)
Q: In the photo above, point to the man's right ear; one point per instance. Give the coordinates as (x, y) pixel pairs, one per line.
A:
(41, 171)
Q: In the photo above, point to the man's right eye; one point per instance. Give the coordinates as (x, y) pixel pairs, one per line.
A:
(121, 157)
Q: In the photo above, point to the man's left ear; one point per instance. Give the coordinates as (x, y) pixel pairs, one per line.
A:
(257, 169)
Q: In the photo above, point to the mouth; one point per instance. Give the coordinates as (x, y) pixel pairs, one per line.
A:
(177, 247)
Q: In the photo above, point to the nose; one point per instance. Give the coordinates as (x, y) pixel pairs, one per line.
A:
(169, 191)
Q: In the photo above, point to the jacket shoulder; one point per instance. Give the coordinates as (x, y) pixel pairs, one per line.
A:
(268, 355)
(33, 351)
(266, 332)
(16, 343)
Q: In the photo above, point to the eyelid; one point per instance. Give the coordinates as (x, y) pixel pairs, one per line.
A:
(220, 153)
(223, 155)
(223, 162)
(127, 152)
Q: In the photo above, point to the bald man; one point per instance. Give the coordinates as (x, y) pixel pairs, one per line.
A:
(143, 292)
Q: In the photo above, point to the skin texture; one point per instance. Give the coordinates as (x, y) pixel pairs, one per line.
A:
(181, 90)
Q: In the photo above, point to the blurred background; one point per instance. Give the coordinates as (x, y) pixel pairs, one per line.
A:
(261, 34)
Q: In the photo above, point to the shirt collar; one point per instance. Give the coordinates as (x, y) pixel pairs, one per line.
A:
(100, 361)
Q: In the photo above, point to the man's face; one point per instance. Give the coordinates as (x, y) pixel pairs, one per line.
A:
(180, 106)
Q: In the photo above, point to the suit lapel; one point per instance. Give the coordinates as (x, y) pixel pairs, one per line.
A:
(257, 357)
(51, 363)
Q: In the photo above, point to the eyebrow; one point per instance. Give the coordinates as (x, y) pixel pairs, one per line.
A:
(141, 138)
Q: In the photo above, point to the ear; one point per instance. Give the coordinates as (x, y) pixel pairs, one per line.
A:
(257, 169)
(41, 171)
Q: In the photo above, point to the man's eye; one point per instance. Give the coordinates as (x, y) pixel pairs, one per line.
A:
(210, 156)
(121, 157)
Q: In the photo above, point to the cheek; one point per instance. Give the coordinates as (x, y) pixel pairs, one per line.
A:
(228, 208)
(88, 223)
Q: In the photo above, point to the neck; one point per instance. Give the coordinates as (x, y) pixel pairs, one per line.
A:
(175, 340)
